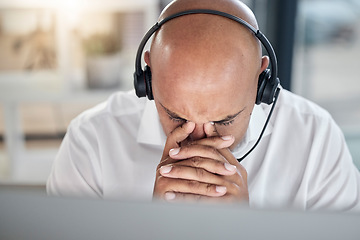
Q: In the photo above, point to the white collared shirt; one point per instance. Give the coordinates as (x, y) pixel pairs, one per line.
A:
(111, 151)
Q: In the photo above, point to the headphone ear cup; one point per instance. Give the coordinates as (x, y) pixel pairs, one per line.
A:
(148, 78)
(142, 83)
(262, 83)
(139, 84)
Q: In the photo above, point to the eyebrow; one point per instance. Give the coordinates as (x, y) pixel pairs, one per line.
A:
(172, 114)
(228, 118)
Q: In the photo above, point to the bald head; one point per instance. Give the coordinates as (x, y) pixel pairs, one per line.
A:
(233, 7)
(205, 67)
(208, 43)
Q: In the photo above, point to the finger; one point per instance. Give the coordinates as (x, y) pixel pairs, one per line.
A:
(231, 192)
(216, 141)
(189, 173)
(172, 179)
(210, 165)
(193, 187)
(190, 151)
(178, 135)
(207, 171)
(222, 175)
(204, 170)
(165, 184)
(190, 197)
(228, 155)
(210, 129)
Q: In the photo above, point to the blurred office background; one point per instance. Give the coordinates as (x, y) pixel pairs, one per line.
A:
(58, 58)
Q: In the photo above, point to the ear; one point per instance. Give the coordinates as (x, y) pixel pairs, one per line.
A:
(147, 58)
(264, 63)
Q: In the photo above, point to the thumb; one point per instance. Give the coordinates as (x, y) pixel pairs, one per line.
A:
(210, 130)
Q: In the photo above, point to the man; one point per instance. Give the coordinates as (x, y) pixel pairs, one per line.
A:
(184, 145)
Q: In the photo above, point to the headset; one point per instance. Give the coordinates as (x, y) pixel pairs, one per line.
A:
(268, 83)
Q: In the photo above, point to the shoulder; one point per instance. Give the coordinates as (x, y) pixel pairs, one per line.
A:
(304, 120)
(119, 106)
(298, 120)
(292, 106)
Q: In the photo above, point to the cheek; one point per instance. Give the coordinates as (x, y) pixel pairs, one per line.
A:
(233, 129)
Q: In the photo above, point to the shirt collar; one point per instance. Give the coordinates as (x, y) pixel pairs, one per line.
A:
(256, 124)
(151, 131)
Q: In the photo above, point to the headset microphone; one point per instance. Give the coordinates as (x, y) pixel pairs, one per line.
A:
(268, 82)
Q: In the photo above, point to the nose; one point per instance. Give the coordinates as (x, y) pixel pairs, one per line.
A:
(198, 132)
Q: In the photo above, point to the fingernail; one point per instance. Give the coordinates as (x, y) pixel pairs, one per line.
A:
(170, 196)
(227, 138)
(165, 169)
(230, 167)
(174, 151)
(220, 189)
(192, 124)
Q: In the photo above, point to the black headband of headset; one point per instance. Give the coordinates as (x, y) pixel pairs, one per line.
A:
(264, 41)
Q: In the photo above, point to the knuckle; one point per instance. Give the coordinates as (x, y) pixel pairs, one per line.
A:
(161, 181)
(222, 182)
(188, 197)
(241, 177)
(200, 173)
(185, 150)
(235, 188)
(164, 161)
(195, 162)
(209, 188)
(193, 184)
(240, 191)
(213, 151)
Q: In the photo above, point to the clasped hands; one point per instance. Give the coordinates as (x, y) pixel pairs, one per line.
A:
(201, 170)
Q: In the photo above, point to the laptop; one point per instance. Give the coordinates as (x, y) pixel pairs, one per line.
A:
(33, 215)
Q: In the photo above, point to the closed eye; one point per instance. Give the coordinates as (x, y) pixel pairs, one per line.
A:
(225, 123)
(176, 119)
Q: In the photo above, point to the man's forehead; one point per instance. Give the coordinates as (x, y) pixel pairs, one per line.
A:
(205, 56)
(197, 91)
(204, 30)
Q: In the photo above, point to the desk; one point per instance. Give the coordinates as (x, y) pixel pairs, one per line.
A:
(26, 215)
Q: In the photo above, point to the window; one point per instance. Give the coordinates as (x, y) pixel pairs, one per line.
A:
(61, 58)
(326, 62)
